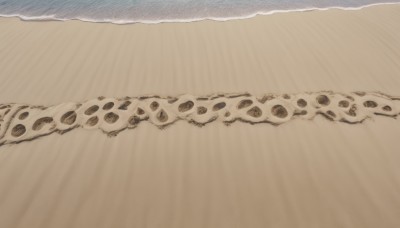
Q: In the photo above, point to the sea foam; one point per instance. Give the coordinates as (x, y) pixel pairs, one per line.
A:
(153, 12)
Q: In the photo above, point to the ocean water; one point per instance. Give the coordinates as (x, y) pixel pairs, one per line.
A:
(155, 11)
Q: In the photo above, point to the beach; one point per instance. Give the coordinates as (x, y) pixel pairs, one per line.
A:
(336, 50)
(303, 173)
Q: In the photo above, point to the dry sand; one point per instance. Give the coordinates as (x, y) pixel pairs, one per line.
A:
(303, 173)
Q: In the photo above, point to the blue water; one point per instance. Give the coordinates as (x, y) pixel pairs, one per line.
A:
(154, 11)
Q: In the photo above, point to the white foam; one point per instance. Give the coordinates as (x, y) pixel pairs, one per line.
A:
(54, 17)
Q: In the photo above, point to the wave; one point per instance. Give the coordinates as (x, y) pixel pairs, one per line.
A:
(54, 17)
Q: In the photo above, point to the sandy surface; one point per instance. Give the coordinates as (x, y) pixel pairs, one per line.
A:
(303, 173)
(300, 174)
(21, 122)
(53, 62)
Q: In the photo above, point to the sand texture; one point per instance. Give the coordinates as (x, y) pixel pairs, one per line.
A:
(20, 122)
(300, 174)
(49, 63)
(323, 155)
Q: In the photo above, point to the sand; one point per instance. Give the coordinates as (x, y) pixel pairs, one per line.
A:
(344, 51)
(306, 172)
(21, 122)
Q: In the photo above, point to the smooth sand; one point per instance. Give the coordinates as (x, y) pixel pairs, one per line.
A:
(300, 174)
(54, 62)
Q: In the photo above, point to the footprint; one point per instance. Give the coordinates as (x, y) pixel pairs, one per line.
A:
(91, 110)
(18, 130)
(111, 117)
(162, 116)
(279, 111)
(92, 121)
(254, 112)
(370, 104)
(23, 115)
(244, 104)
(140, 111)
(352, 111)
(222, 107)
(301, 103)
(387, 108)
(219, 106)
(323, 100)
(68, 118)
(186, 106)
(108, 106)
(201, 110)
(41, 122)
(154, 106)
(344, 104)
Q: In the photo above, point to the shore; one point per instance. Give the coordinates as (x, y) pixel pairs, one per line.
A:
(335, 50)
(303, 173)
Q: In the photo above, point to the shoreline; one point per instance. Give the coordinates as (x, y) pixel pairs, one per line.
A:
(335, 50)
(216, 19)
